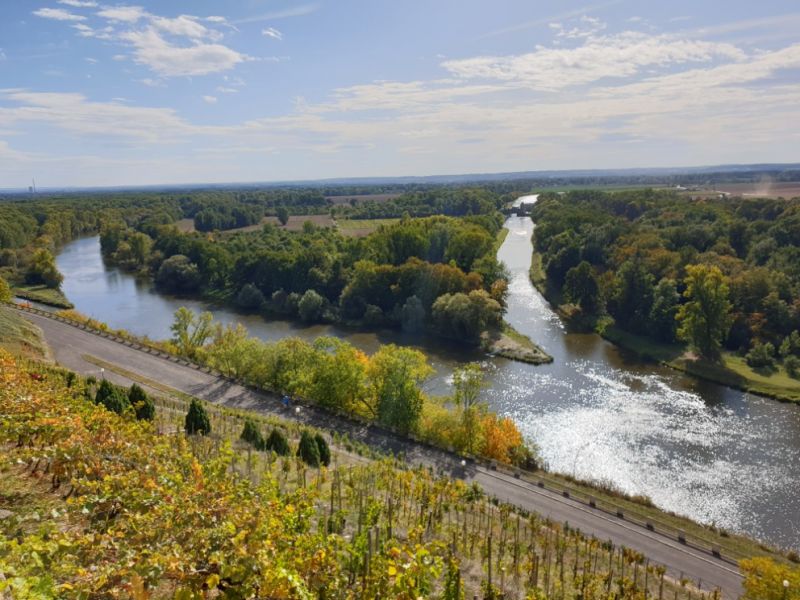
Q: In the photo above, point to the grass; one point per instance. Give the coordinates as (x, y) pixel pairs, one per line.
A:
(510, 343)
(43, 295)
(20, 336)
(362, 227)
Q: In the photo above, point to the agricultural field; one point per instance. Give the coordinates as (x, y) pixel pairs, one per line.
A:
(169, 502)
(362, 227)
(362, 198)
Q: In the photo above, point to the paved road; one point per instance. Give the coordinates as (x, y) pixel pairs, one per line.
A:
(69, 344)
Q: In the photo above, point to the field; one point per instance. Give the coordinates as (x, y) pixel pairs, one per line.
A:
(763, 189)
(362, 198)
(362, 227)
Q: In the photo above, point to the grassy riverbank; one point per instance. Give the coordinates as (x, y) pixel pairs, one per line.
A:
(732, 370)
(43, 295)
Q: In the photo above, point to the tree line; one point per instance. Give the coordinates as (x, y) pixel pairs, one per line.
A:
(719, 274)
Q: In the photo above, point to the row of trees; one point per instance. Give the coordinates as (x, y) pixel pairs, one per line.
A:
(386, 387)
(438, 274)
(713, 273)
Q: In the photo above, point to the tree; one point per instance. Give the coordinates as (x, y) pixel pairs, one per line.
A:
(662, 314)
(632, 300)
(761, 356)
(283, 215)
(396, 374)
(338, 379)
(413, 315)
(112, 397)
(197, 421)
(5, 291)
(763, 580)
(705, 318)
(250, 297)
(791, 365)
(178, 274)
(324, 449)
(191, 331)
(310, 306)
(580, 287)
(468, 381)
(142, 404)
(308, 450)
(277, 443)
(252, 434)
(43, 269)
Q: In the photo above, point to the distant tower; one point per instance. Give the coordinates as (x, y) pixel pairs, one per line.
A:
(33, 187)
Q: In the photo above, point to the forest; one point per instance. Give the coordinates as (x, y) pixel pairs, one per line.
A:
(721, 275)
(120, 496)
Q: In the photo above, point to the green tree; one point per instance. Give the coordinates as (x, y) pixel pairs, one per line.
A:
(283, 215)
(142, 404)
(252, 434)
(178, 274)
(705, 318)
(191, 331)
(112, 397)
(632, 300)
(468, 381)
(791, 365)
(308, 450)
(412, 315)
(43, 269)
(580, 287)
(5, 291)
(277, 443)
(197, 421)
(396, 374)
(665, 307)
(250, 297)
(310, 306)
(339, 376)
(324, 449)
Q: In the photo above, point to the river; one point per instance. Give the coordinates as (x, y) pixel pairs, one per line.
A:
(711, 453)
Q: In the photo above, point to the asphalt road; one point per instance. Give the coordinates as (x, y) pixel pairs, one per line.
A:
(69, 344)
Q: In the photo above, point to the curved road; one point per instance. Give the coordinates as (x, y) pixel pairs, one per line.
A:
(70, 344)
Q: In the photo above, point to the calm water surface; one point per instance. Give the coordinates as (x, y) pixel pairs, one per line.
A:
(699, 449)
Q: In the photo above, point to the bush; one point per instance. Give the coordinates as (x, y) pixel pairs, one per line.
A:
(792, 366)
(308, 451)
(111, 397)
(142, 403)
(197, 421)
(250, 297)
(277, 443)
(310, 306)
(761, 356)
(5, 291)
(252, 435)
(324, 450)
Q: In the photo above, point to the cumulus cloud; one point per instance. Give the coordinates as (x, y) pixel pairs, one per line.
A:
(210, 99)
(184, 25)
(58, 14)
(123, 14)
(621, 55)
(273, 33)
(169, 60)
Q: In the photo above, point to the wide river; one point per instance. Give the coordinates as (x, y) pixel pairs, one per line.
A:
(714, 454)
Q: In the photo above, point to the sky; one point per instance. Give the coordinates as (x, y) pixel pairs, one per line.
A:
(213, 91)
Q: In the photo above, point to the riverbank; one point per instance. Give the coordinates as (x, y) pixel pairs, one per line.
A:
(21, 337)
(513, 345)
(43, 295)
(733, 371)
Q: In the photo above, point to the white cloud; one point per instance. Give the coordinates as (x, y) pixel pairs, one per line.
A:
(621, 55)
(587, 27)
(297, 11)
(79, 3)
(124, 14)
(227, 90)
(272, 32)
(91, 61)
(149, 82)
(119, 57)
(58, 14)
(2, 55)
(184, 25)
(210, 99)
(169, 60)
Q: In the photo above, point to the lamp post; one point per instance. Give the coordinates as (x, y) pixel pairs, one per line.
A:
(785, 589)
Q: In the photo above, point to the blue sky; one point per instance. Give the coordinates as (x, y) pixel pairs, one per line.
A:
(257, 90)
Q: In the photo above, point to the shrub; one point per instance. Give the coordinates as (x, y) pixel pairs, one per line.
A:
(277, 443)
(111, 397)
(5, 291)
(252, 434)
(142, 403)
(250, 297)
(324, 450)
(308, 451)
(761, 356)
(197, 421)
(310, 306)
(792, 366)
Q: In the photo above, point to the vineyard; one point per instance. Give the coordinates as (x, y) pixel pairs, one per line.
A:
(101, 505)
